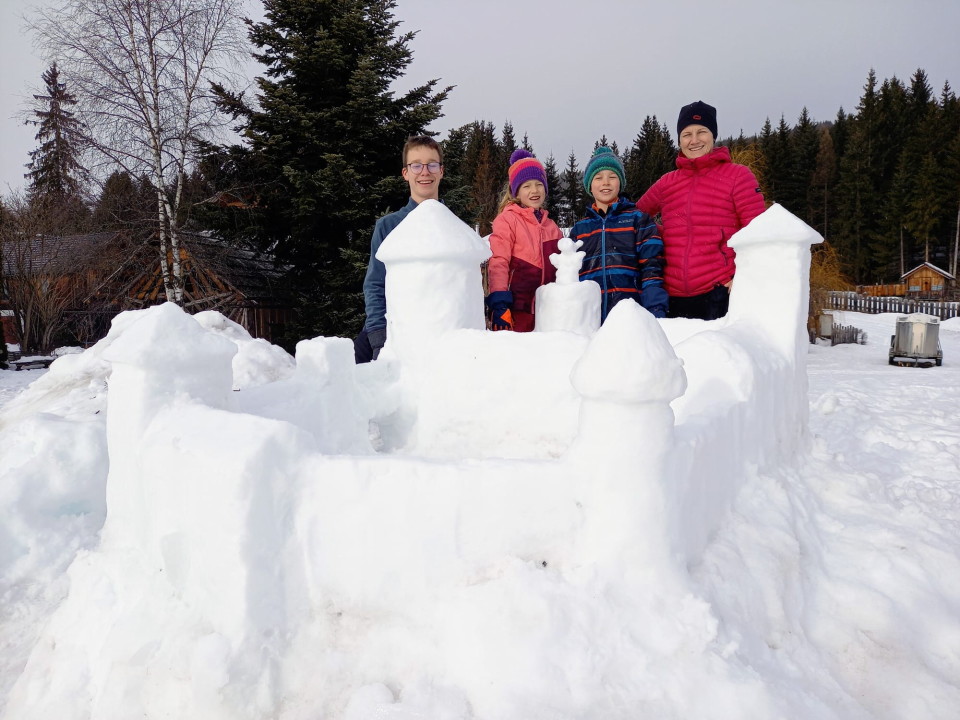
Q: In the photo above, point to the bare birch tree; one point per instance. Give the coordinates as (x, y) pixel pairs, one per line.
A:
(141, 71)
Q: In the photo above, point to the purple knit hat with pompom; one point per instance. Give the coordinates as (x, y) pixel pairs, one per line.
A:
(524, 166)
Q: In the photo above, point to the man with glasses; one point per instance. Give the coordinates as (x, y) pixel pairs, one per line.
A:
(423, 171)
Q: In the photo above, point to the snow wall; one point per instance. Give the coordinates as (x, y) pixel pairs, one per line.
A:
(488, 525)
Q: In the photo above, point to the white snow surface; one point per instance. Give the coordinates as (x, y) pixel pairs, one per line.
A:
(659, 518)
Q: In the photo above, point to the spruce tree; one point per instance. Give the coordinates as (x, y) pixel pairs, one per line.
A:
(651, 155)
(804, 146)
(455, 189)
(925, 205)
(766, 143)
(125, 203)
(839, 132)
(780, 166)
(573, 196)
(822, 183)
(554, 204)
(858, 188)
(56, 173)
(508, 144)
(323, 145)
(484, 173)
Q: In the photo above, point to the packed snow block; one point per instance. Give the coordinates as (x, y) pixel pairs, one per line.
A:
(257, 361)
(746, 405)
(163, 355)
(509, 401)
(218, 525)
(175, 611)
(335, 413)
(773, 260)
(328, 396)
(390, 535)
(322, 397)
(627, 378)
(433, 280)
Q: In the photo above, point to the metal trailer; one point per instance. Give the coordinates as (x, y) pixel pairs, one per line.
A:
(916, 341)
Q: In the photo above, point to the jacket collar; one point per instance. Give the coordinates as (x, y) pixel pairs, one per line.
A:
(526, 213)
(616, 208)
(717, 156)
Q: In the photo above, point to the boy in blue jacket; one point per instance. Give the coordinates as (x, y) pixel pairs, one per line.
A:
(624, 252)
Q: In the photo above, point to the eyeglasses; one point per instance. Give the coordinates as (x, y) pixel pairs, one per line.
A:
(417, 168)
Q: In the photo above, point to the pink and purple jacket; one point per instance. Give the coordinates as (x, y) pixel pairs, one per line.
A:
(521, 246)
(701, 204)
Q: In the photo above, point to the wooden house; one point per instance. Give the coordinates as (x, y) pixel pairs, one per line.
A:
(243, 285)
(46, 277)
(928, 282)
(95, 276)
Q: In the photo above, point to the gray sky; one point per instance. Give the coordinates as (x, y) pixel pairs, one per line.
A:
(567, 72)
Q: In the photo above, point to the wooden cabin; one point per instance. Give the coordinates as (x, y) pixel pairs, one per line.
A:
(888, 290)
(96, 276)
(48, 277)
(243, 285)
(928, 282)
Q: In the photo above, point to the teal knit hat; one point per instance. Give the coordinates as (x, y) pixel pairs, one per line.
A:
(603, 159)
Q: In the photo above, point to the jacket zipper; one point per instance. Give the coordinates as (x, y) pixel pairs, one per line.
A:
(603, 260)
(686, 250)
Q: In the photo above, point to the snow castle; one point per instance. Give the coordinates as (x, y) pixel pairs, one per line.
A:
(507, 543)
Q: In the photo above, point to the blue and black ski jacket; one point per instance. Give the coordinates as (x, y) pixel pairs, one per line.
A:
(624, 255)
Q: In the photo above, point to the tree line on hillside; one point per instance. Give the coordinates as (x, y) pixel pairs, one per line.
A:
(318, 158)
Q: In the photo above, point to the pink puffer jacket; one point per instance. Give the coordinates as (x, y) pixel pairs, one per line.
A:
(521, 246)
(701, 204)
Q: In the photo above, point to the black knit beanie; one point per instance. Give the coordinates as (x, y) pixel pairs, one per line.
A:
(698, 113)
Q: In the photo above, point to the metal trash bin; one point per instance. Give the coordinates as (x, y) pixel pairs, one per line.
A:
(825, 324)
(916, 338)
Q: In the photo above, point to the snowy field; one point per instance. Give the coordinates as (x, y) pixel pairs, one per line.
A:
(231, 539)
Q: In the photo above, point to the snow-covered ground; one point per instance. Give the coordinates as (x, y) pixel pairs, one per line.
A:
(840, 574)
(187, 551)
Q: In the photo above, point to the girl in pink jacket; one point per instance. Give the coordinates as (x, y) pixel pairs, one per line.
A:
(701, 204)
(523, 238)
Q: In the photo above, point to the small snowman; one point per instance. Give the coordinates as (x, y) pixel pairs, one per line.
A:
(568, 304)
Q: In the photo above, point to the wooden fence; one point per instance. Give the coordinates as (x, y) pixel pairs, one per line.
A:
(839, 300)
(843, 334)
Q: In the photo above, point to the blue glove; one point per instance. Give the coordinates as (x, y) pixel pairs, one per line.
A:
(499, 303)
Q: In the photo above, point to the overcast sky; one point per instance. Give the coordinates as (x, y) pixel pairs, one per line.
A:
(567, 72)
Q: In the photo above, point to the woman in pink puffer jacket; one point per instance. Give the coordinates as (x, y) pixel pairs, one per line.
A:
(701, 204)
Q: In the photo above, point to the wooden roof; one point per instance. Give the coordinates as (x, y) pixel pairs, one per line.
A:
(59, 255)
(929, 266)
(215, 274)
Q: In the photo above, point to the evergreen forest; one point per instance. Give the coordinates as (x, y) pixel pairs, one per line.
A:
(318, 161)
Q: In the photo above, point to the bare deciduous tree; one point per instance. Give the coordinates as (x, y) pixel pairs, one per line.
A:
(47, 276)
(30, 274)
(141, 71)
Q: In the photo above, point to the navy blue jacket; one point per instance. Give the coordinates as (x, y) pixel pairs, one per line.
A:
(374, 298)
(624, 255)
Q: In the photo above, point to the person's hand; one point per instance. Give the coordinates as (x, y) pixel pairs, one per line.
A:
(377, 339)
(500, 316)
